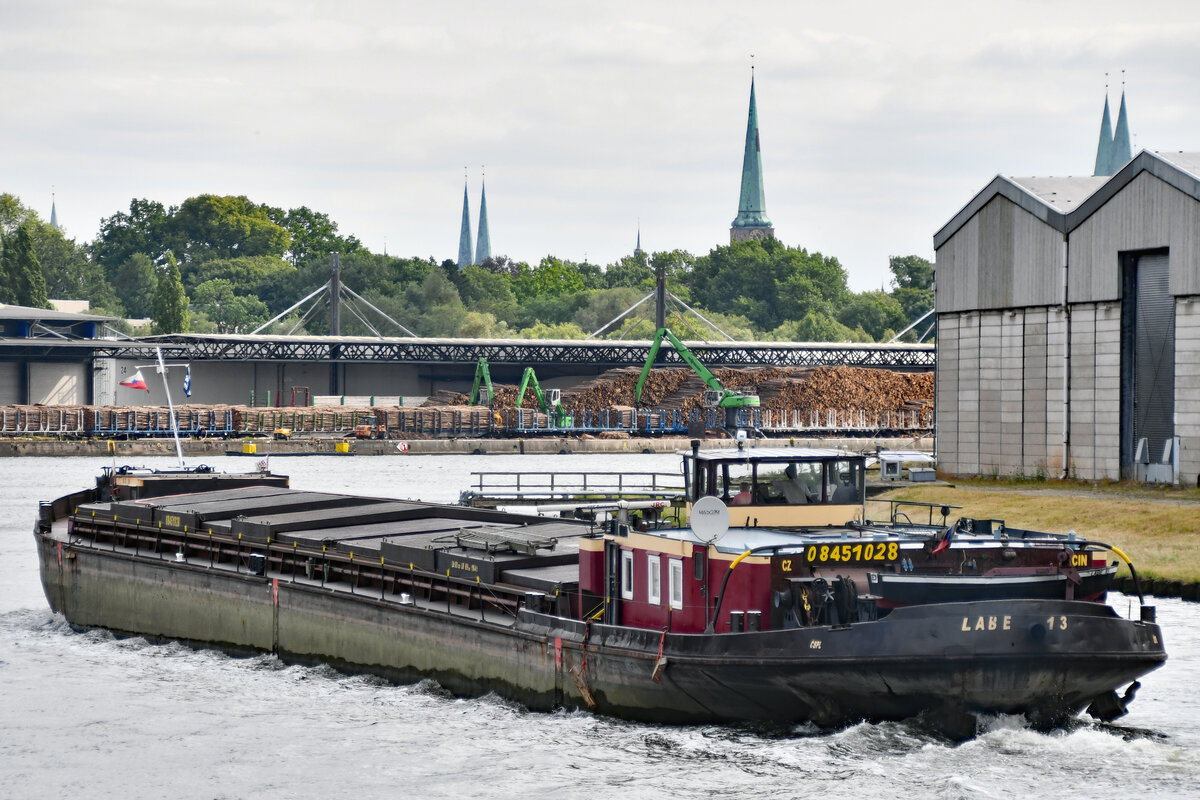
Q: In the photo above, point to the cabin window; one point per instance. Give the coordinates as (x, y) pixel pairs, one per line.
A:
(844, 480)
(675, 582)
(653, 580)
(627, 574)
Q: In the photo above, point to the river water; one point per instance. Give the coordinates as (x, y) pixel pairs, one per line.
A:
(91, 716)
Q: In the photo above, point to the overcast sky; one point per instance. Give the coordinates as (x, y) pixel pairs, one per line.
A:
(878, 120)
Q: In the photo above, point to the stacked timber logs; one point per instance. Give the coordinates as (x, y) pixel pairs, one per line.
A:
(795, 397)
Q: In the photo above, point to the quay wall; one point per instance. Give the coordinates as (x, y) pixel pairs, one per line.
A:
(327, 446)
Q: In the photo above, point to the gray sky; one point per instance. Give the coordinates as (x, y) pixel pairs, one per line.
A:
(879, 119)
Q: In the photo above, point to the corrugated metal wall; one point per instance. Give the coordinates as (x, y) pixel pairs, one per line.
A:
(10, 382)
(1004, 257)
(1003, 338)
(1187, 388)
(1145, 215)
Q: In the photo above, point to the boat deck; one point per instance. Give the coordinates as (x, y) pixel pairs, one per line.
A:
(468, 562)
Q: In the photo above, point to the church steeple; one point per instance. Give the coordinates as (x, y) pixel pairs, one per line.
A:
(1104, 147)
(1114, 150)
(465, 256)
(483, 246)
(53, 213)
(1122, 152)
(751, 221)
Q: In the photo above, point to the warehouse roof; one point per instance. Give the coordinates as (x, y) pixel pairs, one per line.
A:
(1064, 194)
(1064, 203)
(28, 314)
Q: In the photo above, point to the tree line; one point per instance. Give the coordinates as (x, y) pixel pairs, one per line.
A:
(227, 264)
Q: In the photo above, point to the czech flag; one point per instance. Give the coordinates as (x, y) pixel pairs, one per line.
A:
(945, 542)
(136, 382)
(187, 381)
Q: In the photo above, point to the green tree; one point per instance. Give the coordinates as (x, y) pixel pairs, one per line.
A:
(591, 274)
(817, 326)
(767, 282)
(604, 305)
(170, 302)
(269, 278)
(480, 325)
(550, 309)
(22, 272)
(429, 308)
(733, 325)
(7, 295)
(912, 278)
(551, 277)
(143, 230)
(14, 214)
(229, 310)
(489, 292)
(209, 226)
(911, 272)
(313, 235)
(135, 283)
(69, 271)
(631, 270)
(560, 330)
(877, 313)
(676, 265)
(503, 264)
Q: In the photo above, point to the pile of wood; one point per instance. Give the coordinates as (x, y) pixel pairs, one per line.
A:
(42, 419)
(778, 388)
(856, 388)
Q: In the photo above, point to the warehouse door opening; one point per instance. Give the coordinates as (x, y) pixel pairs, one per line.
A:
(1147, 362)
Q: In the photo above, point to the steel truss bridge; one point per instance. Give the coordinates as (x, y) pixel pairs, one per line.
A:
(522, 352)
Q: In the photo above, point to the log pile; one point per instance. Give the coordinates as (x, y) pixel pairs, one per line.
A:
(806, 389)
(799, 393)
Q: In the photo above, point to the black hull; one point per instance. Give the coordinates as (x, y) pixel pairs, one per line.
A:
(1044, 658)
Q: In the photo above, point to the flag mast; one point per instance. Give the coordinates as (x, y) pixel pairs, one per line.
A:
(161, 368)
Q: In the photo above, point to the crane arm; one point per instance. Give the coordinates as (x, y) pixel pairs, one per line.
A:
(527, 380)
(484, 376)
(710, 380)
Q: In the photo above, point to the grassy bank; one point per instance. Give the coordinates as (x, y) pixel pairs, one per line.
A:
(1158, 529)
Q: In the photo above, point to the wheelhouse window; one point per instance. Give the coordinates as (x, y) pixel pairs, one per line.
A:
(675, 582)
(654, 580)
(627, 574)
(844, 482)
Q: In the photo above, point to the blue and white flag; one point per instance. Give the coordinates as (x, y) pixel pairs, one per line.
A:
(187, 381)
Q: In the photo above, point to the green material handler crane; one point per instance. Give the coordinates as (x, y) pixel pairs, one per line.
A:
(716, 396)
(549, 402)
(482, 375)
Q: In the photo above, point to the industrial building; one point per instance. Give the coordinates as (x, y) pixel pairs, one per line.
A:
(1069, 328)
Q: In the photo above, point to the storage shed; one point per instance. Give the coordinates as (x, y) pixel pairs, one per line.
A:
(1068, 328)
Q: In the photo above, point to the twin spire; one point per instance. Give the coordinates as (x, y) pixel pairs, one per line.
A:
(483, 246)
(1114, 150)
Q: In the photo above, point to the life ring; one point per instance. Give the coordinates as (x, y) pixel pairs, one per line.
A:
(402, 447)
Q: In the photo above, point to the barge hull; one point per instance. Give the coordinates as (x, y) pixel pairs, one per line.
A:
(1046, 659)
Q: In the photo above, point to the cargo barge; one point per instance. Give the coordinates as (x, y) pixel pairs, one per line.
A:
(689, 625)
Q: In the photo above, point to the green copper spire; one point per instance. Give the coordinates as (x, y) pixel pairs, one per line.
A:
(1104, 148)
(464, 237)
(483, 246)
(752, 221)
(1121, 150)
